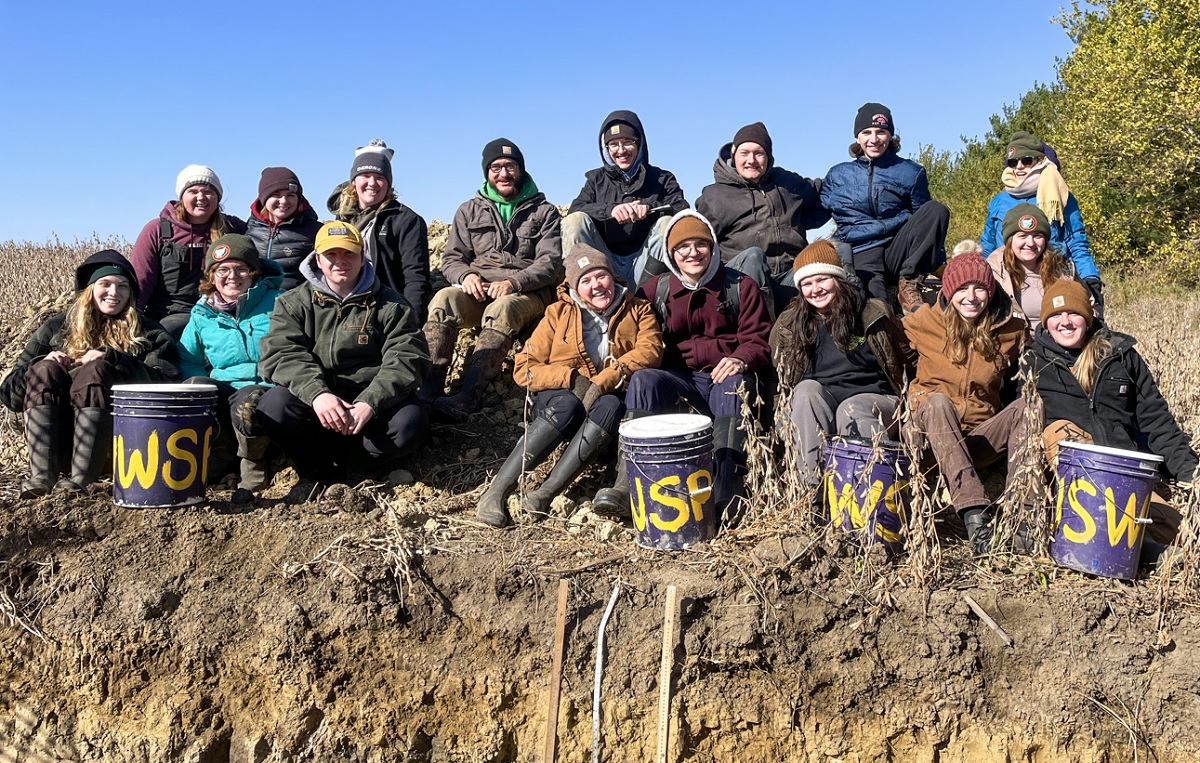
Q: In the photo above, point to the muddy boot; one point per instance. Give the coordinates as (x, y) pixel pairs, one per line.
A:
(540, 438)
(908, 294)
(441, 338)
(41, 438)
(251, 451)
(978, 521)
(93, 433)
(491, 348)
(587, 443)
(729, 457)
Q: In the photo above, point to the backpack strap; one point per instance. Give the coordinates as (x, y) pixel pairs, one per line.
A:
(731, 294)
(164, 229)
(661, 290)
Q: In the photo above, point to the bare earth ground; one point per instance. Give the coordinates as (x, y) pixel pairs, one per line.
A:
(382, 623)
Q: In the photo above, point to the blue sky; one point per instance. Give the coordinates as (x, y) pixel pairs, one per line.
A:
(106, 102)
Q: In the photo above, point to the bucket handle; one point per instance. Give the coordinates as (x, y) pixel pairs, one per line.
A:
(668, 488)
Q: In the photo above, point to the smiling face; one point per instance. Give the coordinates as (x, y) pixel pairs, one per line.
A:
(1067, 329)
(819, 291)
(1028, 248)
(504, 175)
(281, 205)
(750, 161)
(692, 256)
(597, 289)
(200, 203)
(970, 301)
(232, 279)
(341, 269)
(111, 294)
(874, 141)
(372, 189)
(623, 152)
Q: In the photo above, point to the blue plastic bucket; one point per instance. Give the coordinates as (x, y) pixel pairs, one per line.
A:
(162, 438)
(865, 490)
(1102, 508)
(670, 464)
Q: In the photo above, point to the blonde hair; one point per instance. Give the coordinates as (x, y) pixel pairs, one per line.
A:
(1097, 350)
(347, 203)
(216, 223)
(962, 336)
(1051, 265)
(89, 329)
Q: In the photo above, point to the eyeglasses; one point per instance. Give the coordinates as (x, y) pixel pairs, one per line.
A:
(508, 168)
(690, 246)
(1024, 161)
(224, 272)
(622, 145)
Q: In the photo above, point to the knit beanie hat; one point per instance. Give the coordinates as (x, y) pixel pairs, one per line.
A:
(688, 227)
(276, 179)
(1024, 218)
(874, 115)
(964, 269)
(232, 247)
(820, 258)
(1069, 296)
(621, 130)
(502, 148)
(584, 259)
(755, 133)
(196, 174)
(1024, 144)
(106, 262)
(374, 157)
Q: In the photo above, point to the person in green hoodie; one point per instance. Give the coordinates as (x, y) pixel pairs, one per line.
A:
(504, 263)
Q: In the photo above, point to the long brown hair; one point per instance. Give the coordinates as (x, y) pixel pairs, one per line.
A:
(1051, 265)
(88, 329)
(1095, 351)
(217, 224)
(962, 336)
(844, 323)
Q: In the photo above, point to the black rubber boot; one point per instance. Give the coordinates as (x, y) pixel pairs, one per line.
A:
(978, 521)
(491, 348)
(614, 501)
(89, 451)
(540, 438)
(41, 438)
(587, 443)
(729, 458)
(441, 338)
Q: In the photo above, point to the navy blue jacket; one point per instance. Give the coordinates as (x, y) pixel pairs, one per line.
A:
(870, 200)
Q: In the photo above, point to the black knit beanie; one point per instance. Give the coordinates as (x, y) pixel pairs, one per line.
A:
(874, 115)
(374, 157)
(502, 148)
(755, 133)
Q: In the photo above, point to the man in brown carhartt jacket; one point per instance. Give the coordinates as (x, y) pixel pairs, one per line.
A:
(504, 259)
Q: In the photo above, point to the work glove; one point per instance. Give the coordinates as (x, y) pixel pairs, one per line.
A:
(1095, 291)
(580, 386)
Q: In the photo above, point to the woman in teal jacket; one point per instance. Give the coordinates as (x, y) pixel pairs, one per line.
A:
(219, 345)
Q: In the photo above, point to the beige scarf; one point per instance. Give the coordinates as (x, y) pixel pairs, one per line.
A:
(1044, 180)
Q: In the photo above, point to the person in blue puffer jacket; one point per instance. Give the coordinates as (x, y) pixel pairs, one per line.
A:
(888, 229)
(219, 345)
(1031, 174)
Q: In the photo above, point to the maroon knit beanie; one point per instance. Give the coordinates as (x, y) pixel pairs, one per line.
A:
(964, 269)
(277, 179)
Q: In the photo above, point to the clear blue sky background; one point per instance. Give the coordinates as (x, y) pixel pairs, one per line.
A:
(104, 103)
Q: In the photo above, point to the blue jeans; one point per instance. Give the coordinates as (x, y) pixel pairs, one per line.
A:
(661, 390)
(578, 227)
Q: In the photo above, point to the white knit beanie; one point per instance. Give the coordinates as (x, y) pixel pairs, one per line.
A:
(197, 173)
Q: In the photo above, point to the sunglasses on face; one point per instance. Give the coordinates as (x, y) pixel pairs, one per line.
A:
(1024, 161)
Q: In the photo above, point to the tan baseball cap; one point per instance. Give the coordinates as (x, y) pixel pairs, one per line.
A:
(338, 235)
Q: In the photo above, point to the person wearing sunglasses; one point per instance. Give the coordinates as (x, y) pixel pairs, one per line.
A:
(219, 346)
(1029, 175)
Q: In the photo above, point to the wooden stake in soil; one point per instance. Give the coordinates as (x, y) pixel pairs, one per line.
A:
(664, 673)
(560, 632)
(987, 620)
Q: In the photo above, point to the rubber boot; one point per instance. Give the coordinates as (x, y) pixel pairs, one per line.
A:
(614, 501)
(540, 438)
(41, 438)
(441, 338)
(729, 456)
(93, 433)
(491, 348)
(978, 521)
(251, 451)
(587, 443)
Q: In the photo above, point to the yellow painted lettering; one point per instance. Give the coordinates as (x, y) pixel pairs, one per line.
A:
(181, 454)
(143, 470)
(1058, 502)
(663, 498)
(892, 503)
(208, 433)
(1089, 525)
(638, 506)
(1126, 526)
(699, 494)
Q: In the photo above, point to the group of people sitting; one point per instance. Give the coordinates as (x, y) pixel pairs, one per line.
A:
(329, 341)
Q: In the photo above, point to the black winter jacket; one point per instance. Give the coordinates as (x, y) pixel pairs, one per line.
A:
(287, 243)
(1125, 410)
(775, 213)
(606, 187)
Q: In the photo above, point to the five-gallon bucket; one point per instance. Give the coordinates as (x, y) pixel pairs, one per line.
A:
(670, 463)
(162, 437)
(864, 490)
(1102, 507)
